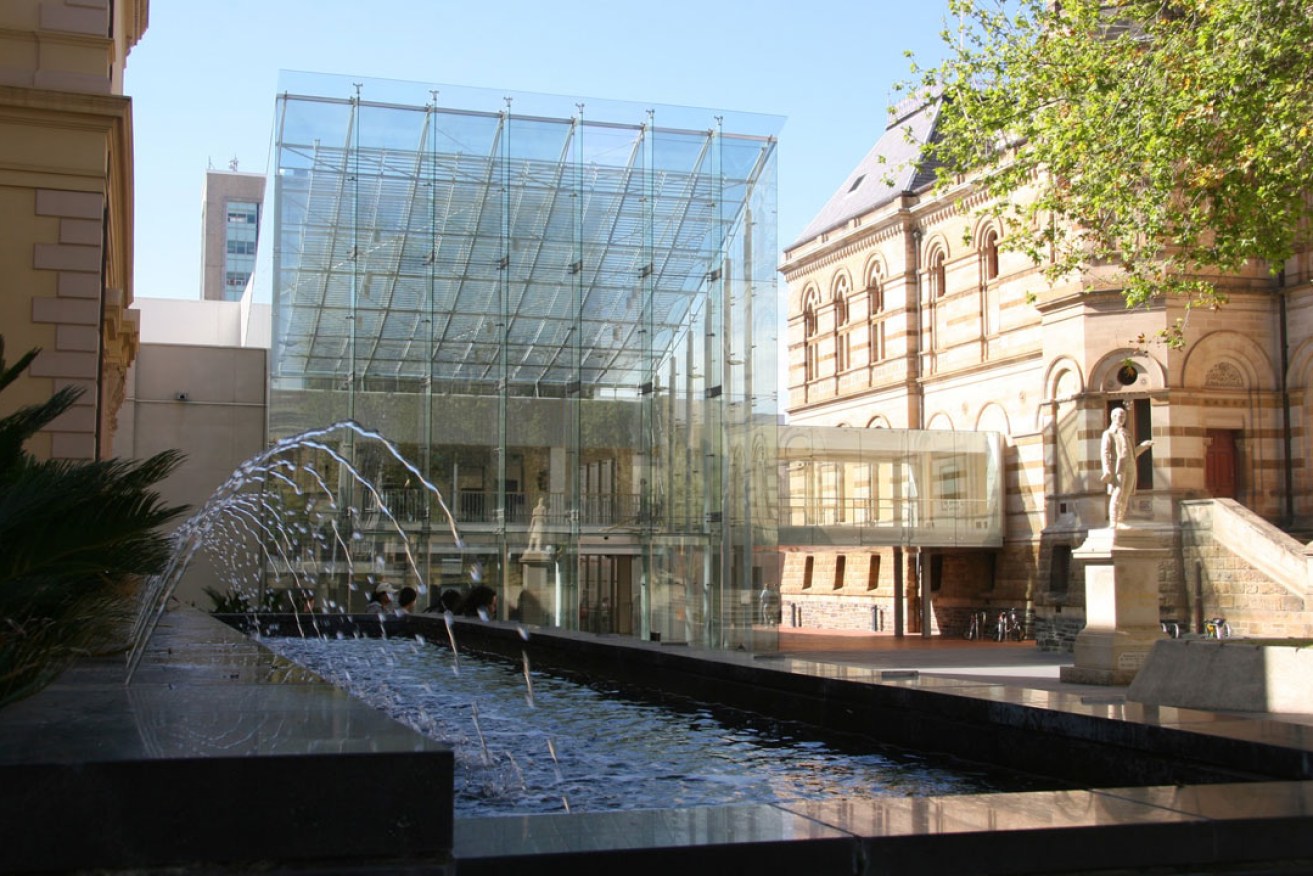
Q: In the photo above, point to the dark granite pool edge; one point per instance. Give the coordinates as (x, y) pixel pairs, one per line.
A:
(218, 755)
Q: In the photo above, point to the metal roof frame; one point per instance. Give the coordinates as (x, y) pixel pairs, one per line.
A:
(452, 244)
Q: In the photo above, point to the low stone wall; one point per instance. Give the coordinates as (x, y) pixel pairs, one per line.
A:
(867, 614)
(219, 757)
(1057, 632)
(1243, 589)
(1233, 675)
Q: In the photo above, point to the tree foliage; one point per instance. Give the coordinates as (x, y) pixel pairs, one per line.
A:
(1171, 137)
(74, 537)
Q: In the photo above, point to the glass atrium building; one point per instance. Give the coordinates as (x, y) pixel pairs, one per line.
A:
(564, 314)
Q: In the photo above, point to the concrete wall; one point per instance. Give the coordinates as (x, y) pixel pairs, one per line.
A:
(204, 323)
(208, 402)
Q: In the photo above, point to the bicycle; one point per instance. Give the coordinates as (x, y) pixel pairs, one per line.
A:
(1217, 628)
(1009, 625)
(975, 626)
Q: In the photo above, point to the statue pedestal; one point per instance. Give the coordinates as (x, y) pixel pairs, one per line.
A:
(1121, 603)
(535, 594)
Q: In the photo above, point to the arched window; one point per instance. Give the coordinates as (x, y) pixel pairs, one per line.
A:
(989, 254)
(875, 289)
(875, 310)
(938, 274)
(809, 337)
(842, 337)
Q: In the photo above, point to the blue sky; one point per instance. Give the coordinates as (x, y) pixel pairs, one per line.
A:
(204, 76)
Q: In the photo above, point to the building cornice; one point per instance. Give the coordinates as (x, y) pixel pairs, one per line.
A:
(887, 227)
(991, 365)
(69, 109)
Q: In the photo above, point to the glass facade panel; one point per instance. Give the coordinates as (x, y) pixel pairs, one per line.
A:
(884, 487)
(565, 316)
(241, 232)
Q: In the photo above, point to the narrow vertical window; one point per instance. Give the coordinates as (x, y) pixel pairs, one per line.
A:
(807, 567)
(875, 312)
(873, 573)
(990, 253)
(839, 565)
(841, 337)
(841, 349)
(809, 339)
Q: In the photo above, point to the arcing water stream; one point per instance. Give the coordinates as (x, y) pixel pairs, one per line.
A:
(243, 512)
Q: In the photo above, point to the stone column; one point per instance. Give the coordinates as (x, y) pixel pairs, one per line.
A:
(1121, 602)
(536, 598)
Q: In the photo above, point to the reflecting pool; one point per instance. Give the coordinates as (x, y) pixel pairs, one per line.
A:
(529, 742)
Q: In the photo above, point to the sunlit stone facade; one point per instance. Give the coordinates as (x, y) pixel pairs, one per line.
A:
(66, 205)
(906, 310)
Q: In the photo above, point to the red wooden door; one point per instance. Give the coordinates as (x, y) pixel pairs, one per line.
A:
(1220, 464)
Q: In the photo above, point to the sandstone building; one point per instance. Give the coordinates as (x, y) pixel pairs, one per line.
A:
(907, 311)
(66, 201)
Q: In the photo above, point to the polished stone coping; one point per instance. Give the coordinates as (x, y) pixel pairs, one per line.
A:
(218, 752)
(1102, 825)
(1046, 831)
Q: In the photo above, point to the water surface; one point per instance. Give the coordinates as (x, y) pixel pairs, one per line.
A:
(553, 744)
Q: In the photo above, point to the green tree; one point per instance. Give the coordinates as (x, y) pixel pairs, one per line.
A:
(74, 539)
(1170, 137)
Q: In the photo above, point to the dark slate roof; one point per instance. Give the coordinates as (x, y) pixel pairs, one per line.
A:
(875, 182)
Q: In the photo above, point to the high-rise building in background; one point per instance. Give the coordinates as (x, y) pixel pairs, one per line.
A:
(231, 206)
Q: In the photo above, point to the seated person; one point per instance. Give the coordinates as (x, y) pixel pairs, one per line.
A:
(448, 601)
(406, 600)
(480, 601)
(380, 600)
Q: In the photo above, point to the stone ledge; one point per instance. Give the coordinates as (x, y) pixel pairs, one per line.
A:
(1228, 675)
(217, 753)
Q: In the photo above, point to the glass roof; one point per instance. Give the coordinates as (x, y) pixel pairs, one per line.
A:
(459, 235)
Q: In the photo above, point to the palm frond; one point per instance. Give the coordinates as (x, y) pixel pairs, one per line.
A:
(74, 537)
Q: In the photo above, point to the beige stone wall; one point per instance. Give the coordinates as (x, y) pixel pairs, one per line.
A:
(66, 206)
(208, 401)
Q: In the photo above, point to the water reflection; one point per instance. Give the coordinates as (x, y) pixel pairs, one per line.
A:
(595, 748)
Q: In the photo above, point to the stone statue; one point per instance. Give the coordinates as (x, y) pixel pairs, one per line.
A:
(537, 523)
(1119, 468)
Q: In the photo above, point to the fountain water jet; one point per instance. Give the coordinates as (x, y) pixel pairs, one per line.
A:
(233, 507)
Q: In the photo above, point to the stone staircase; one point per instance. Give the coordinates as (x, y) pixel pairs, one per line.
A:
(1239, 566)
